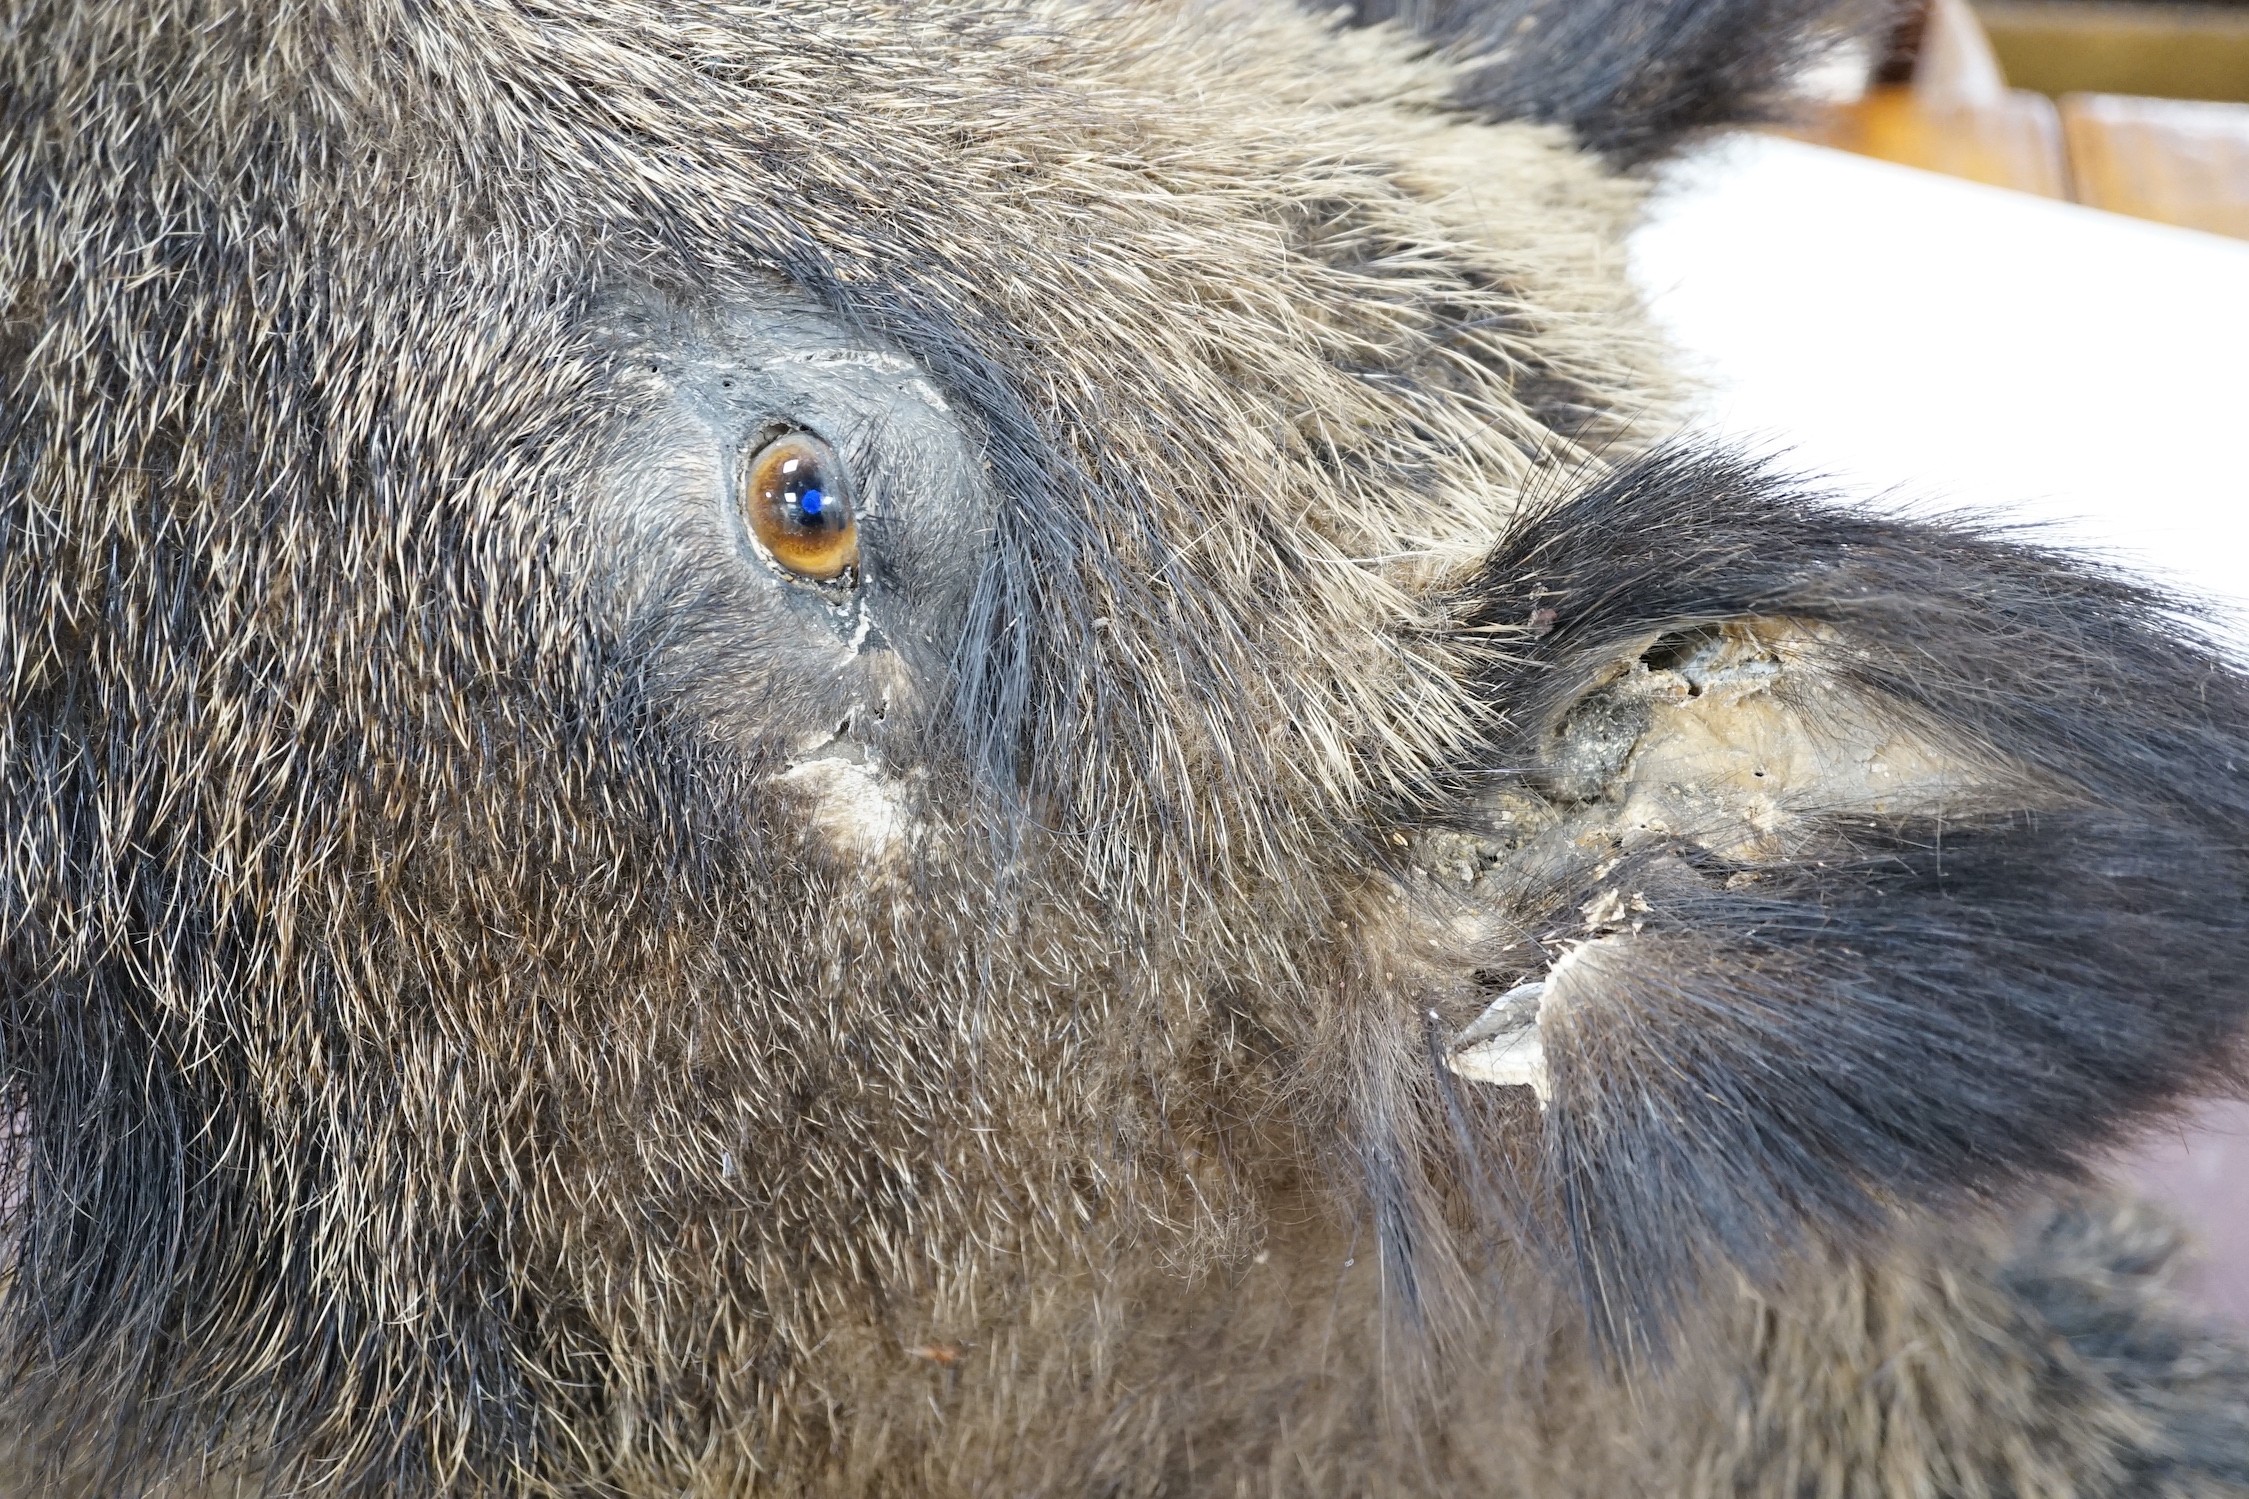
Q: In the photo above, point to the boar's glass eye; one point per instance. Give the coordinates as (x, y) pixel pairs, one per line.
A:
(798, 506)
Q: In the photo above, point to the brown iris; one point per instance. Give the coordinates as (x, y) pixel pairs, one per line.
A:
(799, 508)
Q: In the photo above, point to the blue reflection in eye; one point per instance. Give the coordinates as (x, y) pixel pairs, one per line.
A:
(811, 502)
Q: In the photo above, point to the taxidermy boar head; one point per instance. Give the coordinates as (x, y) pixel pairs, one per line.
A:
(835, 746)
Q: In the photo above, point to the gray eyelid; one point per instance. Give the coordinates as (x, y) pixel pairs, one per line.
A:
(874, 359)
(722, 379)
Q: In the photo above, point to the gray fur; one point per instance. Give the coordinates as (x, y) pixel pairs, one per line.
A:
(504, 990)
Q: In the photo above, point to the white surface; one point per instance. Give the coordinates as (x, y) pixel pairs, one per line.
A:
(1931, 342)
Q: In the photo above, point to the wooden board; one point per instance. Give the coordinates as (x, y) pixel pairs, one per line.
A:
(2171, 51)
(2176, 161)
(2013, 141)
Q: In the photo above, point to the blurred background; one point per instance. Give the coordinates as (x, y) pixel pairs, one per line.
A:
(2140, 108)
(2000, 262)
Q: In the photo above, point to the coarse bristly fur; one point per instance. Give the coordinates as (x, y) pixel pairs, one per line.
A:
(507, 990)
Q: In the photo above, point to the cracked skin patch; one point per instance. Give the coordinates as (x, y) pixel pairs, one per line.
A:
(1740, 739)
(1743, 732)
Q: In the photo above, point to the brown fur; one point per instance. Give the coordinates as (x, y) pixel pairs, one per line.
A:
(454, 1063)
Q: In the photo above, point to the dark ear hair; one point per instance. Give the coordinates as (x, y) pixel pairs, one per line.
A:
(1883, 995)
(1631, 77)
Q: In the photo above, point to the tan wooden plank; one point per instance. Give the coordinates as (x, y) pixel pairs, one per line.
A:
(2013, 141)
(2177, 161)
(2175, 51)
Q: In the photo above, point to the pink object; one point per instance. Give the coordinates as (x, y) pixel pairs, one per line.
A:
(2200, 1171)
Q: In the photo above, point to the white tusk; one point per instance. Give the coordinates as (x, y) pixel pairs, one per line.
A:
(1503, 1045)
